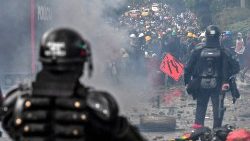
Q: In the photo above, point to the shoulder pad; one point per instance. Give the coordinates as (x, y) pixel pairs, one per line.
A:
(21, 86)
(100, 93)
(16, 91)
(90, 89)
(103, 104)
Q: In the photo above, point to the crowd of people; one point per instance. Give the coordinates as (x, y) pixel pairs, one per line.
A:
(156, 29)
(57, 106)
(154, 33)
(239, 46)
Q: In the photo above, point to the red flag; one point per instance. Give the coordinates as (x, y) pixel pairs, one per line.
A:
(172, 67)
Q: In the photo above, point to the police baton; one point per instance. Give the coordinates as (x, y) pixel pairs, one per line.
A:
(233, 88)
(221, 101)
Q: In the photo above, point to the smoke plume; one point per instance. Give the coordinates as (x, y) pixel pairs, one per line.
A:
(89, 19)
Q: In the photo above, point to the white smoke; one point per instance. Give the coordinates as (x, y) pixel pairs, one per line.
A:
(85, 16)
(88, 18)
(14, 34)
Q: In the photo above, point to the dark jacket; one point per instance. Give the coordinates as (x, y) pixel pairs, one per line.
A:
(58, 108)
(229, 66)
(172, 47)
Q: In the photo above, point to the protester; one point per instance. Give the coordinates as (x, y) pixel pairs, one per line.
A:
(162, 30)
(246, 58)
(240, 48)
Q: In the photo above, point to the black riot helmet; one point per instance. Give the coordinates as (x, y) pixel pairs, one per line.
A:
(213, 36)
(64, 49)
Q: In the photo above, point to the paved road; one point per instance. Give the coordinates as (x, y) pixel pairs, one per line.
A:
(183, 109)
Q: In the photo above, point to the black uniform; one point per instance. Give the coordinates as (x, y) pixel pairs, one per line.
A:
(56, 106)
(206, 72)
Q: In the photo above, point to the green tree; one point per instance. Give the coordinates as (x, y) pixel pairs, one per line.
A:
(190, 4)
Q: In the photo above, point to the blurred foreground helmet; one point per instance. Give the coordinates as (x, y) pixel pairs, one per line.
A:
(64, 50)
(213, 31)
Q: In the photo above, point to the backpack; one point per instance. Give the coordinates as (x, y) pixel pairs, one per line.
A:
(209, 67)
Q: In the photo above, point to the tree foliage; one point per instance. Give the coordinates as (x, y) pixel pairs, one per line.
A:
(190, 4)
(212, 11)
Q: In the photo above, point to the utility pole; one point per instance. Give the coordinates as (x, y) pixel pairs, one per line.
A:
(243, 3)
(33, 35)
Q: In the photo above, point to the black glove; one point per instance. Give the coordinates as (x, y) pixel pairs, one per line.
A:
(193, 87)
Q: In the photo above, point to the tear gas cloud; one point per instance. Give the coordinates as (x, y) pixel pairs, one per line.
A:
(15, 53)
(88, 18)
(15, 34)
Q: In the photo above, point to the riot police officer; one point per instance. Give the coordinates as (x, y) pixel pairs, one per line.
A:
(227, 41)
(207, 76)
(56, 106)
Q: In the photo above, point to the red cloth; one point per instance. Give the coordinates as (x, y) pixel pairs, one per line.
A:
(239, 135)
(196, 126)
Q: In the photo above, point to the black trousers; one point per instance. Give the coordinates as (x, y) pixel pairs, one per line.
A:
(202, 103)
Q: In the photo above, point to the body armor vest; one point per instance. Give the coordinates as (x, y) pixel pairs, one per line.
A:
(209, 67)
(39, 116)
